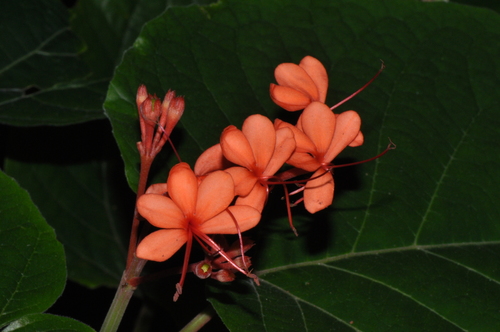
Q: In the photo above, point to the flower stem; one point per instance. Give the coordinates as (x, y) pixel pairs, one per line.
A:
(146, 162)
(200, 320)
(123, 295)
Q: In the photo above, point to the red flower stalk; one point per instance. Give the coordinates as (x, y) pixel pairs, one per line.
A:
(157, 120)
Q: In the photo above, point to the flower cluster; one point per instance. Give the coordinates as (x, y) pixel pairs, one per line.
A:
(157, 119)
(229, 186)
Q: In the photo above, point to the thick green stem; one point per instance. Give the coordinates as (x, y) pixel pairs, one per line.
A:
(123, 295)
(200, 320)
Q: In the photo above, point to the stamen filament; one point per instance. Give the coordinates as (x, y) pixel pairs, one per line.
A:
(221, 252)
(175, 150)
(391, 146)
(361, 89)
(185, 265)
(240, 239)
(289, 210)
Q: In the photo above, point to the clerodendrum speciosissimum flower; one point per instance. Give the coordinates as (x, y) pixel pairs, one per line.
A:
(258, 148)
(320, 136)
(193, 208)
(299, 85)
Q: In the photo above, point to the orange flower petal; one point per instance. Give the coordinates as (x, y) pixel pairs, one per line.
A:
(157, 188)
(318, 193)
(304, 160)
(210, 160)
(215, 193)
(160, 211)
(256, 198)
(288, 98)
(244, 180)
(359, 140)
(223, 223)
(305, 151)
(284, 147)
(295, 77)
(161, 245)
(183, 188)
(261, 136)
(315, 69)
(318, 123)
(302, 142)
(347, 129)
(236, 148)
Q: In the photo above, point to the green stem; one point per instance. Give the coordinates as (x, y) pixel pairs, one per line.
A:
(123, 295)
(200, 320)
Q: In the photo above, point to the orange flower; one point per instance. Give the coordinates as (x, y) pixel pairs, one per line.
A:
(320, 136)
(259, 148)
(191, 209)
(299, 85)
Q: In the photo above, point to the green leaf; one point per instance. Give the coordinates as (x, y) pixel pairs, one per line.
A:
(119, 23)
(412, 240)
(56, 72)
(492, 4)
(43, 77)
(45, 322)
(80, 193)
(32, 266)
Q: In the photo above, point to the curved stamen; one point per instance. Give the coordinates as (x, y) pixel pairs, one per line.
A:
(240, 239)
(382, 67)
(175, 150)
(185, 265)
(391, 146)
(221, 252)
(289, 210)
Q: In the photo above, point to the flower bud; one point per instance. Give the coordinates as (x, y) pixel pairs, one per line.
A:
(203, 270)
(172, 109)
(150, 110)
(223, 276)
(142, 94)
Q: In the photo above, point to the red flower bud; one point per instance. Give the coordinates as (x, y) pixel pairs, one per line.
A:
(203, 270)
(142, 94)
(223, 276)
(157, 119)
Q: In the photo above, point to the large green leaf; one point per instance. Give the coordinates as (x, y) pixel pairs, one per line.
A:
(32, 266)
(43, 78)
(412, 240)
(56, 72)
(45, 322)
(492, 4)
(80, 192)
(119, 23)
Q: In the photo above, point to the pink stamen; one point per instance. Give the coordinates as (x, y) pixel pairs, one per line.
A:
(185, 265)
(221, 252)
(289, 210)
(175, 150)
(391, 146)
(382, 67)
(240, 239)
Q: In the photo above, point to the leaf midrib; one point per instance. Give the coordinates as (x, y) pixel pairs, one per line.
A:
(351, 255)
